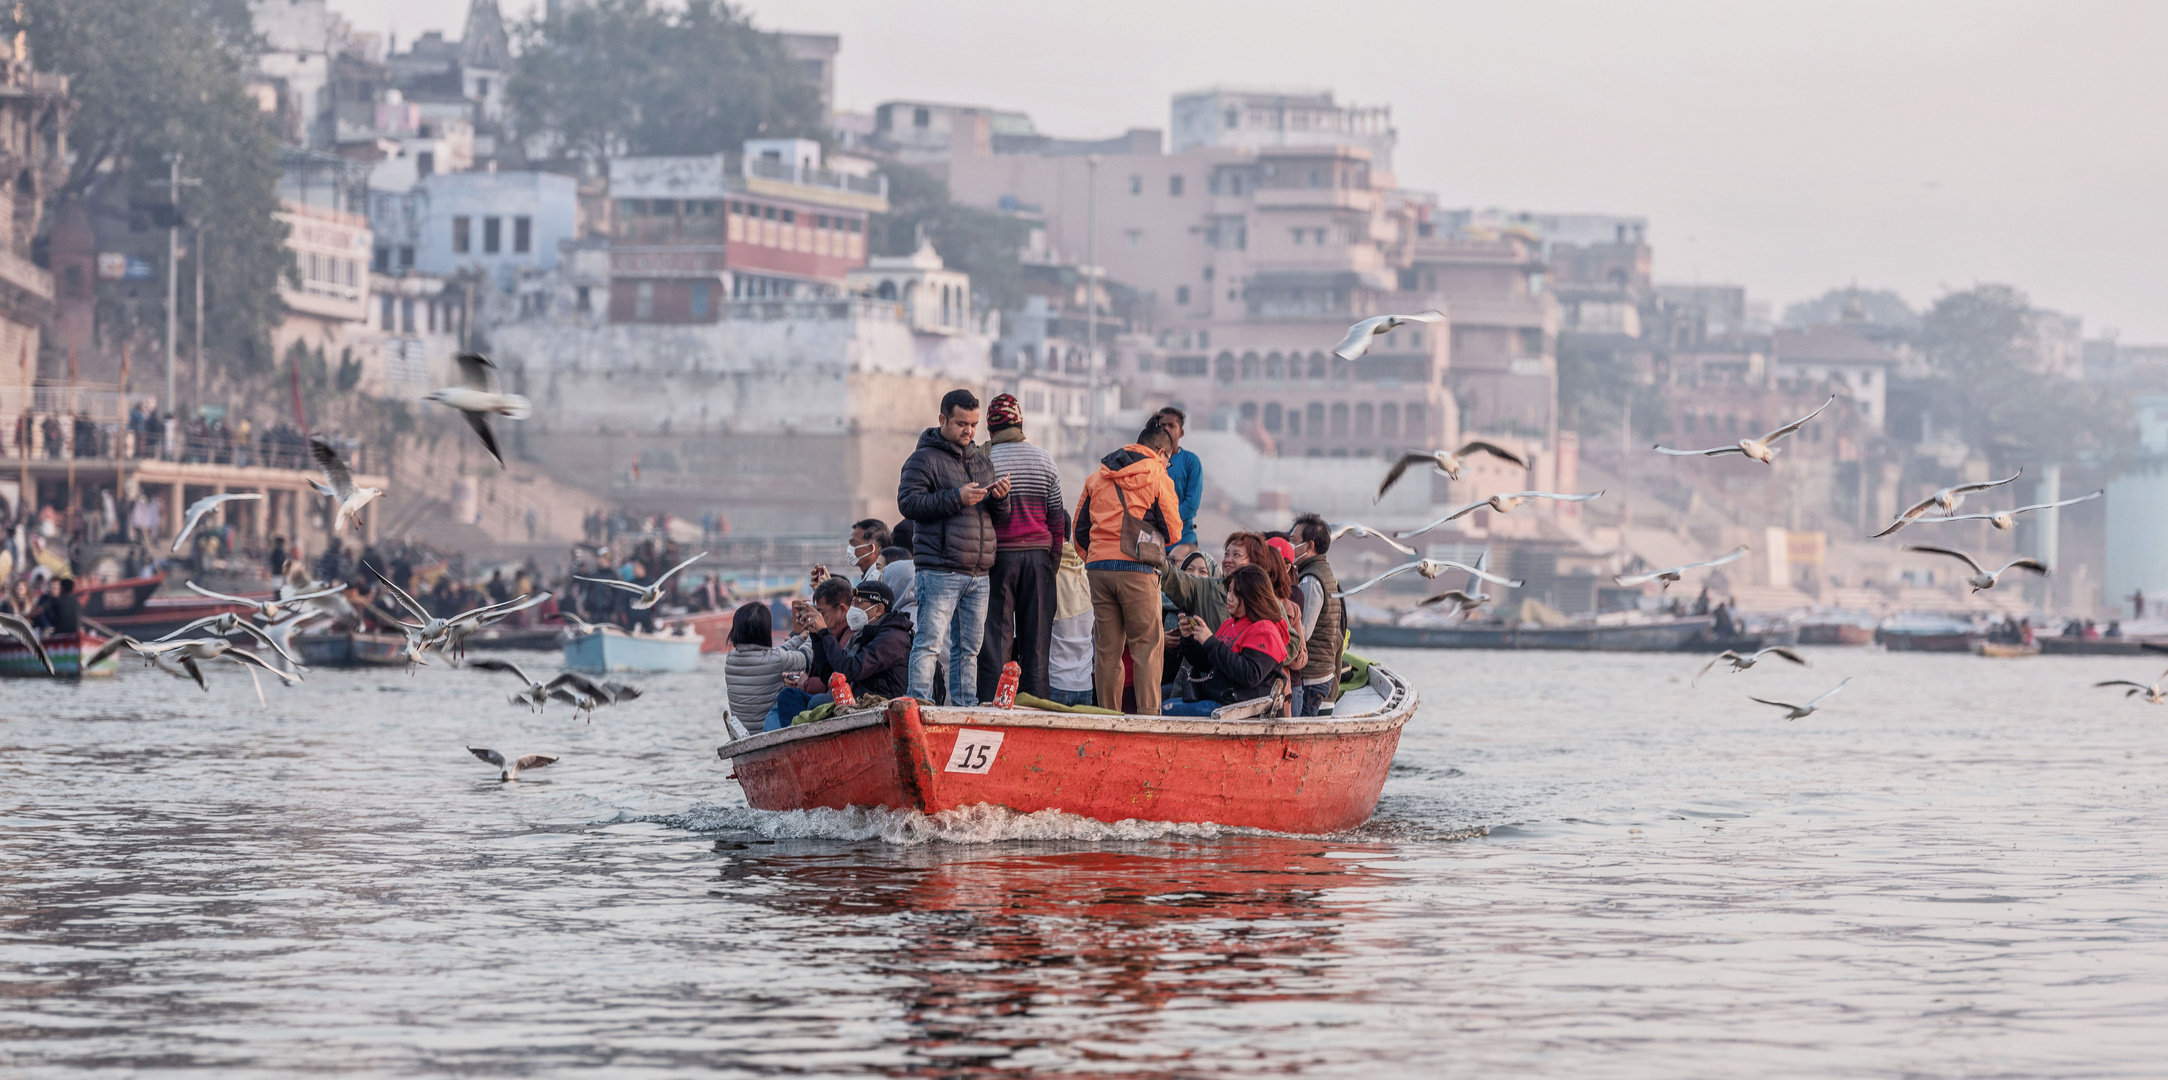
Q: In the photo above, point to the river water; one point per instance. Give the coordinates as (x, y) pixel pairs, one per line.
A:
(1581, 867)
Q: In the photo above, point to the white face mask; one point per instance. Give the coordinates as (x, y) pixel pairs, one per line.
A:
(856, 619)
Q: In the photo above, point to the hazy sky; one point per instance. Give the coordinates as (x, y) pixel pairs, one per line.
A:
(1789, 147)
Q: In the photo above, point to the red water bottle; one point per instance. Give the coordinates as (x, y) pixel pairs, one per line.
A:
(840, 689)
(1005, 694)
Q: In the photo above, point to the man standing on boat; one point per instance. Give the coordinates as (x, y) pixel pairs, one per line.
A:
(1128, 514)
(1020, 604)
(1323, 618)
(950, 489)
(1187, 472)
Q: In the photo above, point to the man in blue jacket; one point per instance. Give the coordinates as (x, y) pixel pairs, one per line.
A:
(1187, 472)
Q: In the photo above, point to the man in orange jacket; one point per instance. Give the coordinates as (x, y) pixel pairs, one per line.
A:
(1132, 482)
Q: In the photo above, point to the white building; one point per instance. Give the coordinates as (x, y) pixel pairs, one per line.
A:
(497, 223)
(1271, 119)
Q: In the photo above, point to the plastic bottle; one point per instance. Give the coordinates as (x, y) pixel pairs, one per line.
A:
(840, 689)
(1005, 694)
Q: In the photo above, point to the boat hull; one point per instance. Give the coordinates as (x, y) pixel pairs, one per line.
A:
(1649, 637)
(350, 650)
(601, 653)
(1907, 641)
(1298, 775)
(66, 652)
(1836, 634)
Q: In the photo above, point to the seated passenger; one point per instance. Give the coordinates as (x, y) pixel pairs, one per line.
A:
(877, 662)
(1241, 660)
(753, 672)
(829, 614)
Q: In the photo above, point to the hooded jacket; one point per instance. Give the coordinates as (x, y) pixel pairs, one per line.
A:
(952, 538)
(875, 662)
(1133, 473)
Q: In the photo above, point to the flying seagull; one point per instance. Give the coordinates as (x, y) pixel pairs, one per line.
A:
(2154, 695)
(341, 490)
(466, 624)
(648, 595)
(1467, 598)
(1359, 336)
(474, 400)
(1741, 663)
(537, 693)
(1448, 462)
(1797, 711)
(1981, 578)
(2004, 520)
(191, 653)
(22, 631)
(204, 506)
(227, 623)
(510, 770)
(269, 610)
(1671, 575)
(1758, 449)
(1430, 568)
(1361, 529)
(1504, 504)
(1945, 499)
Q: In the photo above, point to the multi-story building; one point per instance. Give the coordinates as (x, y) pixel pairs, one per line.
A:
(34, 112)
(1273, 119)
(496, 224)
(323, 203)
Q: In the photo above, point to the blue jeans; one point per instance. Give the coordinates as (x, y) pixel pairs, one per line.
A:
(789, 702)
(1060, 696)
(1189, 708)
(1313, 698)
(951, 611)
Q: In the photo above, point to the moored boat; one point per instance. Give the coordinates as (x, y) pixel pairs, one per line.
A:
(2000, 650)
(1835, 633)
(712, 627)
(601, 652)
(1235, 768)
(66, 651)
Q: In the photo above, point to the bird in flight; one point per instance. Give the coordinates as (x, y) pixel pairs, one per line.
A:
(1359, 336)
(1504, 504)
(477, 402)
(647, 595)
(2005, 521)
(1449, 462)
(1946, 500)
(1670, 576)
(204, 506)
(1741, 663)
(269, 610)
(1759, 449)
(1467, 598)
(2154, 695)
(510, 770)
(1361, 529)
(341, 490)
(1430, 568)
(1796, 711)
(1981, 578)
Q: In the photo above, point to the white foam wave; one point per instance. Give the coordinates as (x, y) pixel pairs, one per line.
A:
(982, 824)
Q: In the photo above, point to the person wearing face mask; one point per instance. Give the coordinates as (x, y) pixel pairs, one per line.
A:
(828, 614)
(876, 663)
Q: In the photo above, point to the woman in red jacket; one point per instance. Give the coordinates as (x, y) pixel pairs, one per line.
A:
(1240, 660)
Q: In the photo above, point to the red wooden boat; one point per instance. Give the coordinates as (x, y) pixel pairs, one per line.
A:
(1237, 767)
(713, 627)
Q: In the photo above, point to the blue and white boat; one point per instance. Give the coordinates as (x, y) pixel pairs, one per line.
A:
(600, 652)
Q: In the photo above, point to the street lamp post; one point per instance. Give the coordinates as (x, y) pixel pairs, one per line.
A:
(1091, 301)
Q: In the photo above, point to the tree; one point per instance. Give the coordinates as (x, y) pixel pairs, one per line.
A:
(1990, 391)
(156, 77)
(978, 242)
(1881, 307)
(614, 77)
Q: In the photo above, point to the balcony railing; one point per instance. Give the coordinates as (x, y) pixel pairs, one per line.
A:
(792, 173)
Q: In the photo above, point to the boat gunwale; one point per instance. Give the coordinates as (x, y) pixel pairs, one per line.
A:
(1397, 710)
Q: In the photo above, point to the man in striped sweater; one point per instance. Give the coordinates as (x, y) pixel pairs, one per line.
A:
(1020, 604)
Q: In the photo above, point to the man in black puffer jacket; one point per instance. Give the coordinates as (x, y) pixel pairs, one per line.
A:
(950, 490)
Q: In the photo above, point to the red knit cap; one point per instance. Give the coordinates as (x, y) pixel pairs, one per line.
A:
(1004, 412)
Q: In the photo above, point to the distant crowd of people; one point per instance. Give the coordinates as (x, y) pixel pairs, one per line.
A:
(1110, 606)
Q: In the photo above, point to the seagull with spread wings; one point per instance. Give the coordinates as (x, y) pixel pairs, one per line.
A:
(2004, 521)
(1670, 576)
(1981, 577)
(1794, 712)
(647, 596)
(477, 402)
(269, 610)
(204, 506)
(2154, 694)
(1946, 500)
(190, 653)
(1504, 504)
(225, 624)
(1467, 598)
(1449, 462)
(1359, 336)
(537, 693)
(1360, 529)
(340, 490)
(1759, 449)
(1741, 663)
(1430, 568)
(509, 770)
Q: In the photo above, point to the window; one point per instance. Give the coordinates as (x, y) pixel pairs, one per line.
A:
(482, 87)
(431, 313)
(522, 234)
(1225, 367)
(388, 322)
(822, 221)
(790, 217)
(380, 264)
(492, 235)
(425, 163)
(1317, 368)
(643, 300)
(406, 315)
(921, 117)
(700, 299)
(71, 281)
(768, 212)
(1317, 178)
(1174, 186)
(1249, 367)
(585, 301)
(1233, 119)
(737, 207)
(1181, 294)
(1299, 234)
(1294, 420)
(1249, 413)
(1314, 414)
(1273, 417)
(1136, 185)
(406, 256)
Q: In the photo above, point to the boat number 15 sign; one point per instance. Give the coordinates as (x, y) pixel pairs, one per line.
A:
(974, 751)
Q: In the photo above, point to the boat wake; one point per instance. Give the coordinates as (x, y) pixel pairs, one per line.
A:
(980, 824)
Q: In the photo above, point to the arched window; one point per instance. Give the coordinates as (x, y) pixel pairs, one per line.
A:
(1249, 367)
(1317, 367)
(1224, 367)
(1389, 421)
(1339, 418)
(1314, 413)
(1273, 417)
(1249, 414)
(1078, 362)
(1365, 421)
(1274, 366)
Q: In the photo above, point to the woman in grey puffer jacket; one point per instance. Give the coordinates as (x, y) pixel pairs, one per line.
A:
(753, 672)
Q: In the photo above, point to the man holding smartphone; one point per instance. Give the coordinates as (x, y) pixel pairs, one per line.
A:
(949, 488)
